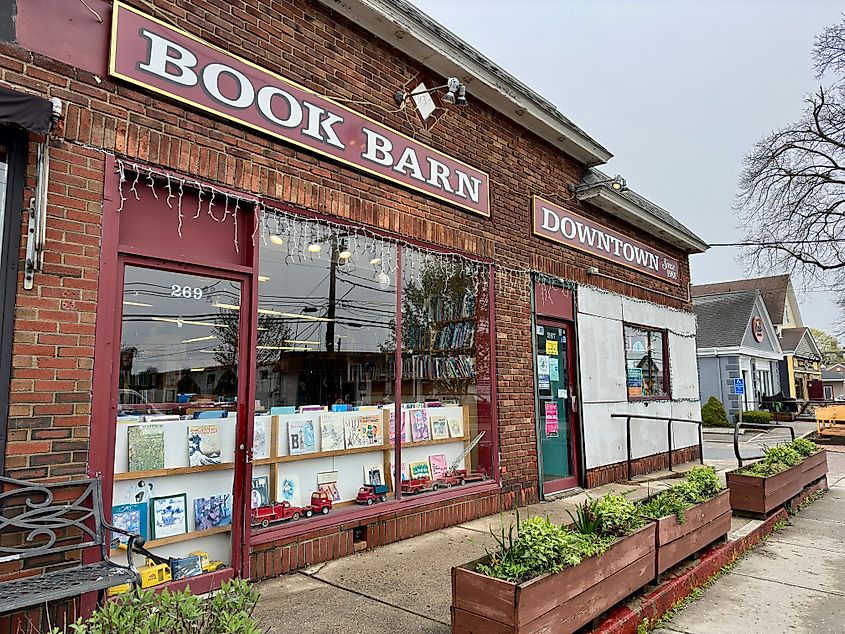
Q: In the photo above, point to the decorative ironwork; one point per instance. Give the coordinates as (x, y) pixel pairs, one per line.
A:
(61, 584)
(50, 525)
(30, 508)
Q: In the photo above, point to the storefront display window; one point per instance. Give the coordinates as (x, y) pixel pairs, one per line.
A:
(445, 367)
(646, 363)
(324, 431)
(176, 421)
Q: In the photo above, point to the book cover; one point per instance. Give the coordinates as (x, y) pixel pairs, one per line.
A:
(146, 447)
(456, 428)
(169, 515)
(203, 445)
(301, 437)
(184, 567)
(374, 474)
(420, 469)
(212, 512)
(260, 440)
(288, 490)
(131, 517)
(331, 432)
(330, 489)
(439, 427)
(420, 429)
(438, 466)
(402, 469)
(260, 491)
(363, 431)
(404, 426)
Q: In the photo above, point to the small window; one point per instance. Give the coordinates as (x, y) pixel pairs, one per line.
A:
(828, 393)
(646, 363)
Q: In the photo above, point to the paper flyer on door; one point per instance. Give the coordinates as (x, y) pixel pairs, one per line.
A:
(551, 420)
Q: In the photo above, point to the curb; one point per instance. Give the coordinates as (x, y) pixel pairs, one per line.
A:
(625, 620)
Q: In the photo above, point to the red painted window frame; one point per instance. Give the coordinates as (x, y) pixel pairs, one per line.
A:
(113, 259)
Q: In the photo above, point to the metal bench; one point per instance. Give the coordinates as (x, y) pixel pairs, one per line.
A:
(43, 520)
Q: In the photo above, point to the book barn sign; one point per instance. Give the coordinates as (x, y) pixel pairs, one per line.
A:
(172, 62)
(552, 222)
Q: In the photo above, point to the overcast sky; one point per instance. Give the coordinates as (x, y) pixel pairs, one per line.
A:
(677, 91)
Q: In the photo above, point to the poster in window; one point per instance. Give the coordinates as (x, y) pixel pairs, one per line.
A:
(554, 369)
(551, 347)
(543, 382)
(551, 420)
(635, 382)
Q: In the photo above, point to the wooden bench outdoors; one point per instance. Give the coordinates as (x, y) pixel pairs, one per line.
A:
(830, 420)
(64, 518)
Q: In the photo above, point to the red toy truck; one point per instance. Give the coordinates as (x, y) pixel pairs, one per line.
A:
(418, 485)
(370, 493)
(320, 503)
(275, 512)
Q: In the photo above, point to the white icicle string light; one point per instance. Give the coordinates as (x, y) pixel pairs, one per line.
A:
(515, 282)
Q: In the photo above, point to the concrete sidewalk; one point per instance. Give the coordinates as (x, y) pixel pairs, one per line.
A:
(405, 586)
(794, 583)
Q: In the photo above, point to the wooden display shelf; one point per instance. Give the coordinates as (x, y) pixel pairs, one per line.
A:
(175, 539)
(155, 473)
(433, 441)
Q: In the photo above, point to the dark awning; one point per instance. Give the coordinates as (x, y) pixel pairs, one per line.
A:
(27, 111)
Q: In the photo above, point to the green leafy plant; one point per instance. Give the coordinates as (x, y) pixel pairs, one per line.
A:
(713, 414)
(586, 520)
(536, 546)
(780, 458)
(804, 447)
(229, 611)
(754, 417)
(618, 515)
(698, 485)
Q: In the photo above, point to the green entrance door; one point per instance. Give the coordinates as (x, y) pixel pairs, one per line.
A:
(556, 404)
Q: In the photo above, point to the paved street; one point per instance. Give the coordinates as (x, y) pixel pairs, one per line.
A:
(793, 583)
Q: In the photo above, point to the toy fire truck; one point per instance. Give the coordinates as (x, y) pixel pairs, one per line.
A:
(275, 512)
(455, 476)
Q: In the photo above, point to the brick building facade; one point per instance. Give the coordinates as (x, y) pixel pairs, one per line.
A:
(119, 145)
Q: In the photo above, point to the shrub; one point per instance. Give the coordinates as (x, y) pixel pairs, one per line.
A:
(713, 414)
(229, 611)
(755, 417)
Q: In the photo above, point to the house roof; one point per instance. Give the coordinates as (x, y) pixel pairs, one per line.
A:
(774, 290)
(723, 319)
(832, 375)
(800, 342)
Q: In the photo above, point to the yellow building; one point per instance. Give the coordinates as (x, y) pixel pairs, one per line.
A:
(801, 364)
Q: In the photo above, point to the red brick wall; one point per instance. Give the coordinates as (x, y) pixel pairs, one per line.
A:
(618, 471)
(311, 45)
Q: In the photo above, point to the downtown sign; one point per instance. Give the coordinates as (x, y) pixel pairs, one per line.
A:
(555, 223)
(150, 53)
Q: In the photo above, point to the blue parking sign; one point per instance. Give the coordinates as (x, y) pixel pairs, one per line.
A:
(739, 386)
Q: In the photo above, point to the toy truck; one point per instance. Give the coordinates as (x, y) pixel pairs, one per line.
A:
(370, 493)
(207, 564)
(275, 512)
(455, 475)
(320, 503)
(152, 574)
(418, 485)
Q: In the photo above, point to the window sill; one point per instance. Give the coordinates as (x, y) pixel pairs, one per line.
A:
(354, 516)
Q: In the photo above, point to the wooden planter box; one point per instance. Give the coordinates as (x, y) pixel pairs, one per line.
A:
(560, 602)
(703, 524)
(763, 495)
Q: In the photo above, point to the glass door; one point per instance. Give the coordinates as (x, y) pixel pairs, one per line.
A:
(176, 426)
(556, 405)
